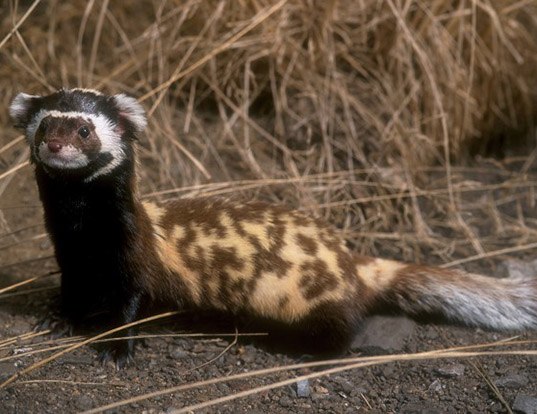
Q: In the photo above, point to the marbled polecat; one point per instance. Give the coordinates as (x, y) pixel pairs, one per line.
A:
(118, 253)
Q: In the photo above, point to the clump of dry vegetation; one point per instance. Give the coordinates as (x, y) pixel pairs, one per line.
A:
(356, 110)
(365, 112)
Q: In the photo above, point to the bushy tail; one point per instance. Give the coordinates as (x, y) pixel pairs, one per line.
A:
(471, 299)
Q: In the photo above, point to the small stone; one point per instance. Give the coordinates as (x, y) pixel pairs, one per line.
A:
(248, 357)
(178, 353)
(84, 402)
(512, 381)
(320, 389)
(198, 348)
(384, 334)
(303, 388)
(315, 397)
(387, 371)
(221, 343)
(285, 401)
(451, 371)
(7, 370)
(436, 386)
(431, 333)
(346, 386)
(525, 404)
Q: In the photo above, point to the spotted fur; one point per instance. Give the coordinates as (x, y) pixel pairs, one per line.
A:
(283, 267)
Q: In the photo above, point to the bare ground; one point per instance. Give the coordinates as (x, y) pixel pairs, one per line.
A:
(77, 382)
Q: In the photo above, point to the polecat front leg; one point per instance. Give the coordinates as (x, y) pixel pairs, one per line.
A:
(121, 351)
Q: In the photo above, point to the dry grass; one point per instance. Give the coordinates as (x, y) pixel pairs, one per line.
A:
(358, 97)
(363, 112)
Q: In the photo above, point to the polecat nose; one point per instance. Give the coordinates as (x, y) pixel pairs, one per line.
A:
(54, 146)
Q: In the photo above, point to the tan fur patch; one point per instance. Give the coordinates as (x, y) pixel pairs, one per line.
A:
(154, 212)
(259, 231)
(269, 294)
(167, 250)
(379, 273)
(178, 232)
(278, 264)
(271, 288)
(207, 240)
(296, 254)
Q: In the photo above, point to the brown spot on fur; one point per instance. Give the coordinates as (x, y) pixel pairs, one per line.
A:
(226, 257)
(282, 303)
(271, 260)
(331, 240)
(317, 279)
(308, 244)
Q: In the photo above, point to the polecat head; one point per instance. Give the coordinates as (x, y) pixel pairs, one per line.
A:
(79, 131)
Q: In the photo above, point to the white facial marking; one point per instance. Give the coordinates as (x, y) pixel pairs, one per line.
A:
(93, 91)
(67, 157)
(104, 129)
(110, 142)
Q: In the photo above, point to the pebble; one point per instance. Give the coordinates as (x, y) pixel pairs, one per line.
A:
(285, 401)
(451, 371)
(320, 389)
(512, 381)
(249, 357)
(525, 404)
(384, 334)
(178, 353)
(346, 386)
(198, 348)
(436, 386)
(7, 369)
(303, 389)
(84, 402)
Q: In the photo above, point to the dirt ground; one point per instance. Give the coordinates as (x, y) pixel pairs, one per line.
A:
(77, 382)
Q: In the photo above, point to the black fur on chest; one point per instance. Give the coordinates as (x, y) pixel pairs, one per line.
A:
(91, 226)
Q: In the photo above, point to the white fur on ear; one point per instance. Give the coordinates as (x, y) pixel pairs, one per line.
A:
(18, 110)
(132, 110)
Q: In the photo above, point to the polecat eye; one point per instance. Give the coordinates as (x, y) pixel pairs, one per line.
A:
(83, 131)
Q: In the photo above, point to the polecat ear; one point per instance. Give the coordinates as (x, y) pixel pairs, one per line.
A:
(20, 109)
(131, 110)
